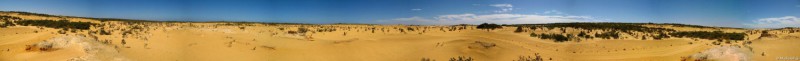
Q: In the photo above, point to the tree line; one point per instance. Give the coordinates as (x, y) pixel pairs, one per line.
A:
(59, 24)
(623, 27)
(715, 35)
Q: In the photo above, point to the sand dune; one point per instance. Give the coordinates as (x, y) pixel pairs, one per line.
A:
(115, 40)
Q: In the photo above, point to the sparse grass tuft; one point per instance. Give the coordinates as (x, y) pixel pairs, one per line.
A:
(529, 58)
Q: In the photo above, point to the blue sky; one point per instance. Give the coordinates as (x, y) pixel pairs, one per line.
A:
(728, 13)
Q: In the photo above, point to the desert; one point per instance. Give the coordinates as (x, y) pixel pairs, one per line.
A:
(26, 36)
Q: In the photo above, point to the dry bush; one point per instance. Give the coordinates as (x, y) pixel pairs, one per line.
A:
(485, 44)
(529, 58)
(42, 46)
(461, 58)
(427, 59)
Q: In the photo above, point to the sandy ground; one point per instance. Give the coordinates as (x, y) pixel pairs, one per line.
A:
(214, 42)
(251, 44)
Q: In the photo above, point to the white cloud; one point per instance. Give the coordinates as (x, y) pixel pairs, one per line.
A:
(416, 9)
(778, 22)
(503, 7)
(554, 12)
(490, 18)
(476, 4)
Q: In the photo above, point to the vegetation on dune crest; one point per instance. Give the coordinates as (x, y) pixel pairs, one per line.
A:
(60, 24)
(556, 37)
(624, 27)
(489, 26)
(715, 35)
(695, 26)
(5, 21)
(567, 37)
(618, 29)
(608, 35)
(518, 30)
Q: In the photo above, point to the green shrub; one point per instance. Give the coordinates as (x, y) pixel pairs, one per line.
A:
(715, 35)
(59, 24)
(660, 36)
(519, 29)
(489, 26)
(608, 35)
(583, 34)
(624, 27)
(302, 30)
(555, 37)
(104, 32)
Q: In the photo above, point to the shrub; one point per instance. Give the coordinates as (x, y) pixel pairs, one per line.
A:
(59, 24)
(6, 24)
(302, 30)
(104, 32)
(427, 59)
(583, 34)
(624, 27)
(292, 32)
(608, 35)
(123, 42)
(529, 58)
(660, 36)
(461, 58)
(715, 35)
(489, 26)
(6, 21)
(555, 37)
(519, 29)
(325, 30)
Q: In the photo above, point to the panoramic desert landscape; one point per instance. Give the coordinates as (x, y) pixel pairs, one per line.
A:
(28, 36)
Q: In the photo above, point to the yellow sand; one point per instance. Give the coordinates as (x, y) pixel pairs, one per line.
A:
(256, 42)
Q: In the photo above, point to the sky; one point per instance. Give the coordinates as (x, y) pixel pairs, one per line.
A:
(724, 13)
